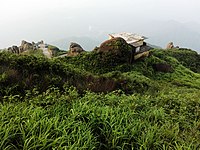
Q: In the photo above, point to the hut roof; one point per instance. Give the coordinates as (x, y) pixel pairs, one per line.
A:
(129, 37)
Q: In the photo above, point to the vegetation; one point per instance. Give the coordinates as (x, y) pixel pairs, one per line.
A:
(36, 53)
(2, 49)
(96, 101)
(186, 57)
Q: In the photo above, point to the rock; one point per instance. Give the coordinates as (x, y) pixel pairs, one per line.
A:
(143, 52)
(163, 67)
(75, 49)
(26, 46)
(170, 45)
(141, 55)
(41, 42)
(114, 45)
(14, 49)
(119, 48)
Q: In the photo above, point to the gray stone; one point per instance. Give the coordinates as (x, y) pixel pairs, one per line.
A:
(75, 49)
(14, 49)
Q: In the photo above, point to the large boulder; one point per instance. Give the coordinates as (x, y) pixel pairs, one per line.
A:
(75, 49)
(118, 48)
(170, 45)
(26, 46)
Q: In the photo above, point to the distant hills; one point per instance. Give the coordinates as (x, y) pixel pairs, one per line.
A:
(159, 33)
(185, 35)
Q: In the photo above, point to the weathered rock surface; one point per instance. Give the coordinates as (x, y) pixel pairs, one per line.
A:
(143, 52)
(170, 45)
(25, 46)
(117, 47)
(114, 45)
(14, 49)
(75, 49)
(141, 55)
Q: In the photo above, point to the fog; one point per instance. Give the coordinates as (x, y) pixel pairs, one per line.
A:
(51, 20)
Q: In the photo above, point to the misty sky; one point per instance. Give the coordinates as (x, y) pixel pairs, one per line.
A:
(50, 20)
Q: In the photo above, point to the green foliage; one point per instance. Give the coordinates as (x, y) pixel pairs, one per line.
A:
(37, 53)
(21, 73)
(137, 82)
(49, 103)
(186, 57)
(167, 120)
(91, 71)
(97, 63)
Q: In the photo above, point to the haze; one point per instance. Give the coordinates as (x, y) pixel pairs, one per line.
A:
(51, 20)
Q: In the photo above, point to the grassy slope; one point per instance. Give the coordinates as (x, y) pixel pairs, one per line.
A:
(162, 111)
(169, 120)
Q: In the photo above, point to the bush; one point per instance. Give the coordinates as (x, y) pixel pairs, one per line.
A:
(186, 57)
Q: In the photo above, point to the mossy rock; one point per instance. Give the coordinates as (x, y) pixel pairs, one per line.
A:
(118, 48)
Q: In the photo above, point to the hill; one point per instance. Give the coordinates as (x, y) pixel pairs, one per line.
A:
(100, 100)
(182, 34)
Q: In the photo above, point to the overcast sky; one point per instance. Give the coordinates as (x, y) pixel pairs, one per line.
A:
(51, 20)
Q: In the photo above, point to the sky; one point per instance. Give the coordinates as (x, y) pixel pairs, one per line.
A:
(51, 20)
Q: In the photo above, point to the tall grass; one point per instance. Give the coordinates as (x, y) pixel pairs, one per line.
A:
(150, 110)
(169, 120)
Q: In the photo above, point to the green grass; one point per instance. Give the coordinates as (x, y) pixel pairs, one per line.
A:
(168, 120)
(37, 53)
(187, 57)
(49, 104)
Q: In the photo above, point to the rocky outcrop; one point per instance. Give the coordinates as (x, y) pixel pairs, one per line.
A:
(75, 49)
(141, 55)
(27, 46)
(117, 47)
(114, 45)
(14, 49)
(143, 52)
(170, 45)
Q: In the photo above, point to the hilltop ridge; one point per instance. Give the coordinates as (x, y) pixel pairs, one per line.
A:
(100, 100)
(91, 70)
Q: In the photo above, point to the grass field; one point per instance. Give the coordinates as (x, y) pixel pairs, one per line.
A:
(153, 110)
